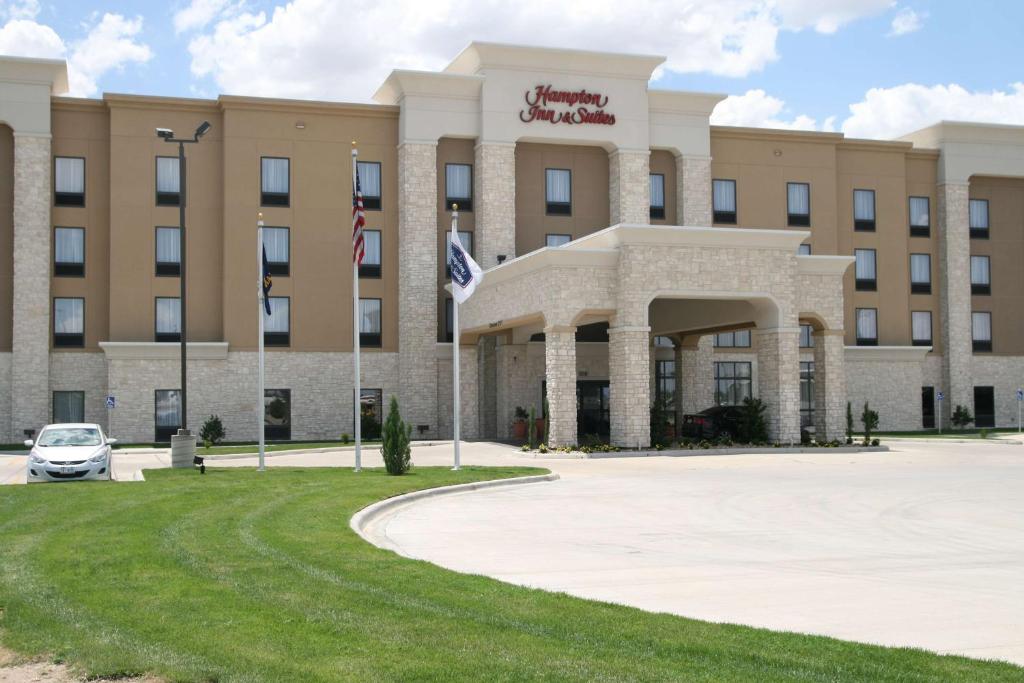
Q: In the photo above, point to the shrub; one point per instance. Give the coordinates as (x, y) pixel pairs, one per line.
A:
(870, 420)
(805, 437)
(369, 426)
(525, 448)
(961, 417)
(547, 418)
(395, 442)
(753, 426)
(531, 427)
(542, 448)
(212, 431)
(345, 437)
(983, 434)
(520, 413)
(875, 442)
(849, 423)
(660, 421)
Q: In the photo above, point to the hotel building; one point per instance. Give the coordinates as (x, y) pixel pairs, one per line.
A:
(632, 253)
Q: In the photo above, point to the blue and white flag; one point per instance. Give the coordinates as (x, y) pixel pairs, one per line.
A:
(466, 274)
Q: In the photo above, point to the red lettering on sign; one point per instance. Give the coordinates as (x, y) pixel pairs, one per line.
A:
(539, 99)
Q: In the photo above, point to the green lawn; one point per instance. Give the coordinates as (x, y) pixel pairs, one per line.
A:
(238, 576)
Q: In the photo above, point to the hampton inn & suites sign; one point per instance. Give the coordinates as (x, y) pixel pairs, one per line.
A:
(567, 107)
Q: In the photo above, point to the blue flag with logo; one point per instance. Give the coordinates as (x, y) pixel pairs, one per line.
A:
(268, 282)
(466, 274)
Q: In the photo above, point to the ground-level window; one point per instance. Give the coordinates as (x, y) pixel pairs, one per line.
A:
(68, 406)
(370, 413)
(665, 383)
(928, 407)
(277, 414)
(732, 382)
(167, 413)
(984, 407)
(806, 394)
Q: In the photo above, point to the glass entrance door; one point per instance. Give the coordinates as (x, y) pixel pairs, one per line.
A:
(592, 416)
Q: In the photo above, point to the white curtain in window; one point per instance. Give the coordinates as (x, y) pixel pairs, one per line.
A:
(806, 336)
(369, 178)
(799, 198)
(277, 321)
(980, 273)
(864, 205)
(168, 315)
(168, 245)
(920, 268)
(658, 190)
(70, 175)
(557, 240)
(867, 323)
(369, 316)
(466, 238)
(371, 247)
(69, 245)
(68, 406)
(68, 316)
(724, 195)
(168, 174)
(559, 185)
(981, 326)
(168, 408)
(979, 213)
(865, 263)
(275, 175)
(742, 338)
(921, 324)
(458, 180)
(275, 241)
(919, 211)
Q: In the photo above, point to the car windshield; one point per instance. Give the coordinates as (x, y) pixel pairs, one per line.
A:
(70, 436)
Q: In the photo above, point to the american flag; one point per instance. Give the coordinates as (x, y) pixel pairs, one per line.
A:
(358, 223)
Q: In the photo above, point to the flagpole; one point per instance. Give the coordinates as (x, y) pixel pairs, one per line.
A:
(455, 348)
(356, 412)
(260, 407)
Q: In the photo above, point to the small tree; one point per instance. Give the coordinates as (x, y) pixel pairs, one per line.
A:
(961, 417)
(212, 431)
(660, 420)
(395, 442)
(532, 428)
(849, 423)
(547, 421)
(753, 426)
(870, 420)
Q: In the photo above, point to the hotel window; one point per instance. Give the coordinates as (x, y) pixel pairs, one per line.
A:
(981, 331)
(369, 183)
(275, 183)
(979, 218)
(806, 336)
(466, 238)
(732, 383)
(981, 275)
(806, 394)
(69, 181)
(68, 406)
(928, 407)
(168, 181)
(167, 413)
(920, 217)
(557, 240)
(657, 195)
(920, 274)
(558, 191)
(867, 327)
(69, 322)
(866, 272)
(665, 386)
(168, 251)
(277, 325)
(69, 252)
(369, 323)
(798, 204)
(277, 414)
(371, 412)
(370, 267)
(864, 210)
(921, 328)
(804, 250)
(723, 194)
(168, 319)
(458, 183)
(277, 247)
(449, 328)
(737, 339)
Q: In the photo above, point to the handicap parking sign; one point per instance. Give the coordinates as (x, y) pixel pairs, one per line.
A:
(940, 396)
(111, 402)
(1020, 394)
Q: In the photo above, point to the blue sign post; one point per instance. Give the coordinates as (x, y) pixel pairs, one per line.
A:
(939, 396)
(111, 404)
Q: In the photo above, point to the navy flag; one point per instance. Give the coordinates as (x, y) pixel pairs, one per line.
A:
(268, 282)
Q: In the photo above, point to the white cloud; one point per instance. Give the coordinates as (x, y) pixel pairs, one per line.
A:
(109, 44)
(907, 21)
(343, 50)
(758, 109)
(19, 9)
(198, 14)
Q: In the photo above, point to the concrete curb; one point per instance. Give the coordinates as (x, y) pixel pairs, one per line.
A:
(683, 453)
(991, 440)
(364, 521)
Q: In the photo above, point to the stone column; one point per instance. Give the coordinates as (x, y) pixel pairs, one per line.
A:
(30, 362)
(417, 252)
(829, 385)
(630, 388)
(560, 370)
(778, 380)
(955, 296)
(494, 201)
(469, 386)
(488, 371)
(693, 190)
(629, 186)
(695, 373)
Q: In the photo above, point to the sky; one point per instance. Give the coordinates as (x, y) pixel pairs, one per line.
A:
(866, 68)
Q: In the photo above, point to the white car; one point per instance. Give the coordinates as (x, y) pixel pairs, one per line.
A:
(69, 452)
